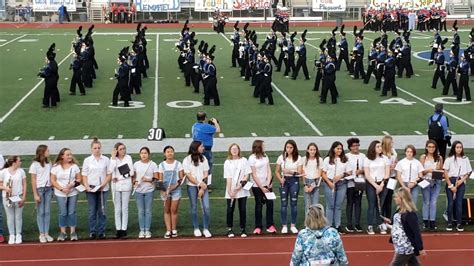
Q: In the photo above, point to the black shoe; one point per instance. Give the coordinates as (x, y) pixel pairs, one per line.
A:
(83, 93)
(350, 229)
(101, 236)
(426, 225)
(45, 106)
(449, 227)
(340, 231)
(230, 233)
(358, 229)
(92, 236)
(118, 234)
(72, 93)
(322, 101)
(433, 226)
(459, 228)
(124, 234)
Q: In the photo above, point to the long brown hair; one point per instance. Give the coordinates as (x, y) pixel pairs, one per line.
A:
(317, 155)
(257, 149)
(386, 149)
(294, 154)
(40, 157)
(196, 156)
(10, 160)
(332, 153)
(436, 155)
(229, 155)
(59, 158)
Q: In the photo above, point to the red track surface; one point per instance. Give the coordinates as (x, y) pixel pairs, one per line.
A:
(443, 249)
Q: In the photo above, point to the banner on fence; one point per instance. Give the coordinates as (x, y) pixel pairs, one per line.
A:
(53, 5)
(158, 5)
(212, 5)
(254, 4)
(329, 5)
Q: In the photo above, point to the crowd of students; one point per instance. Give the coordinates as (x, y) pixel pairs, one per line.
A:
(339, 175)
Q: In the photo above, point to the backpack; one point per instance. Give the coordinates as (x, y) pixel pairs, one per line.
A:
(435, 130)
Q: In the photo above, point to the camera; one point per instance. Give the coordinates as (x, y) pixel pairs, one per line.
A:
(210, 122)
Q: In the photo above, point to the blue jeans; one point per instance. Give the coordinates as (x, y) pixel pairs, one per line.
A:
(334, 201)
(373, 212)
(291, 187)
(144, 204)
(1, 216)
(414, 193)
(97, 202)
(206, 215)
(43, 213)
(456, 203)
(430, 198)
(310, 199)
(67, 211)
(208, 154)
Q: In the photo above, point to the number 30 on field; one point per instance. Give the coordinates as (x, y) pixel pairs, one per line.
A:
(155, 134)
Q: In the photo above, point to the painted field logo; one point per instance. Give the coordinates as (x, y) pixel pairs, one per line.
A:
(184, 104)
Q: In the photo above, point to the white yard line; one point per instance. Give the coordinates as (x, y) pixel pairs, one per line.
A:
(155, 107)
(28, 94)
(10, 41)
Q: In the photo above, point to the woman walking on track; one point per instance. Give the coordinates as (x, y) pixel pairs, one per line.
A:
(262, 183)
(406, 236)
(318, 244)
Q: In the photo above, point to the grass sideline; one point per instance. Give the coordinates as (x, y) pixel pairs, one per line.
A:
(217, 203)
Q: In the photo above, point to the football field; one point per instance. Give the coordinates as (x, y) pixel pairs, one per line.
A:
(165, 101)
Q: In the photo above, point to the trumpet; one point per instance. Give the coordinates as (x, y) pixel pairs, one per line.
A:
(9, 194)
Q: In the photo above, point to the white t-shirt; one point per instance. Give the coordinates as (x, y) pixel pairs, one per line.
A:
(377, 167)
(164, 166)
(392, 159)
(122, 183)
(429, 164)
(43, 178)
(196, 171)
(312, 168)
(409, 169)
(289, 165)
(236, 170)
(17, 181)
(458, 167)
(145, 171)
(261, 169)
(96, 170)
(338, 168)
(2, 162)
(356, 161)
(65, 177)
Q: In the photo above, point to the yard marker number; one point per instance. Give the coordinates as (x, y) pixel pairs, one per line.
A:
(155, 134)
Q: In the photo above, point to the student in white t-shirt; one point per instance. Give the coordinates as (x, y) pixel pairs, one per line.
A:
(457, 168)
(262, 183)
(145, 172)
(354, 196)
(312, 164)
(95, 173)
(196, 169)
(236, 173)
(13, 186)
(40, 171)
(389, 151)
(410, 172)
(65, 175)
(335, 169)
(121, 187)
(2, 239)
(289, 168)
(377, 172)
(171, 172)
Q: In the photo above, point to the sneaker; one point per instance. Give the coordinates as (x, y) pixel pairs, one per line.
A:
(147, 234)
(294, 230)
(42, 239)
(459, 228)
(174, 233)
(230, 233)
(257, 231)
(73, 236)
(197, 232)
(358, 229)
(370, 230)
(284, 230)
(18, 239)
(62, 237)
(433, 226)
(272, 229)
(449, 227)
(383, 229)
(11, 240)
(167, 234)
(243, 233)
(349, 229)
(141, 234)
(101, 236)
(49, 238)
(340, 231)
(426, 225)
(206, 233)
(92, 236)
(2, 239)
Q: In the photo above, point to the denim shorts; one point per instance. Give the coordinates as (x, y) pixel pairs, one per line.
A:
(174, 195)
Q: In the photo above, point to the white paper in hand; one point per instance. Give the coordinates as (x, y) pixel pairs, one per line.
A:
(270, 196)
(81, 188)
(15, 199)
(392, 183)
(248, 186)
(424, 184)
(471, 176)
(95, 189)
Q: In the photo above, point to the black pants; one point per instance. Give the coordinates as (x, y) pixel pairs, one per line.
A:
(343, 56)
(354, 206)
(244, 64)
(196, 78)
(87, 69)
(370, 70)
(242, 212)
(329, 85)
(450, 80)
(403, 260)
(210, 91)
(235, 55)
(433, 52)
(49, 97)
(280, 61)
(76, 79)
(438, 74)
(135, 84)
(121, 89)
(317, 81)
(405, 65)
(389, 85)
(259, 201)
(188, 68)
(290, 65)
(464, 85)
(266, 90)
(378, 77)
(386, 203)
(301, 64)
(442, 146)
(359, 69)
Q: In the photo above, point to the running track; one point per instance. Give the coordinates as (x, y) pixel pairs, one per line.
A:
(443, 249)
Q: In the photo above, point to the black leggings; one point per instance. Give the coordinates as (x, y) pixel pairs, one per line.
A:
(354, 205)
(259, 201)
(242, 212)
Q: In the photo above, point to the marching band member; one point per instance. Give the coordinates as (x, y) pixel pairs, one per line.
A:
(451, 66)
(463, 71)
(343, 52)
(439, 71)
(301, 63)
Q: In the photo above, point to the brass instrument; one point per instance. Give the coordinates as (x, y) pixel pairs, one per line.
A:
(9, 194)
